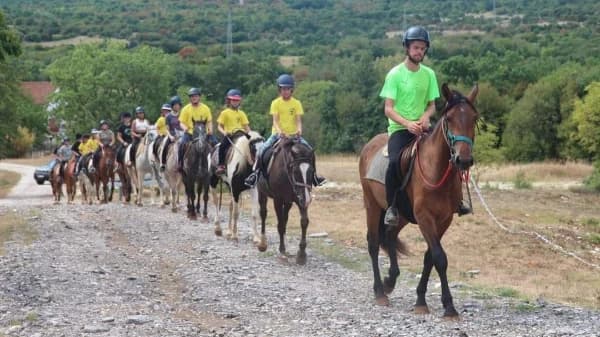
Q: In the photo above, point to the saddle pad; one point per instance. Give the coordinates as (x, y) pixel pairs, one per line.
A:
(378, 166)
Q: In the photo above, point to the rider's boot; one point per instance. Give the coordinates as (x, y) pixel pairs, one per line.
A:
(391, 216)
(463, 209)
(319, 180)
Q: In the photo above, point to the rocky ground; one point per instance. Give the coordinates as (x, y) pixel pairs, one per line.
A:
(118, 270)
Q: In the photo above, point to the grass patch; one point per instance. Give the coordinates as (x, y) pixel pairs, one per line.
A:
(591, 224)
(525, 307)
(594, 238)
(14, 227)
(8, 179)
(507, 292)
(520, 181)
(341, 255)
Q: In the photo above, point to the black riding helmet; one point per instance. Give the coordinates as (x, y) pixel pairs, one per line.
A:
(413, 34)
(234, 94)
(125, 114)
(194, 91)
(175, 100)
(285, 81)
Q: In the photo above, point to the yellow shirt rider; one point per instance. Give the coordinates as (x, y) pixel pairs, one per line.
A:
(230, 120)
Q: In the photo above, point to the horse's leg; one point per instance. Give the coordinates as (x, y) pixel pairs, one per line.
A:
(301, 255)
(440, 262)
(262, 201)
(390, 240)
(235, 215)
(421, 305)
(190, 191)
(254, 200)
(282, 210)
(375, 228)
(217, 222)
(205, 199)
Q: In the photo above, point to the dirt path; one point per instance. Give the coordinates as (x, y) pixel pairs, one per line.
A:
(114, 270)
(27, 191)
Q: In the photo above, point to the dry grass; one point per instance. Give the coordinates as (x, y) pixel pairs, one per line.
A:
(520, 263)
(8, 179)
(34, 161)
(73, 41)
(14, 227)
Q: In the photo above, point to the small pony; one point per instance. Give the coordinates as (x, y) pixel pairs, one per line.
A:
(434, 190)
(289, 181)
(105, 173)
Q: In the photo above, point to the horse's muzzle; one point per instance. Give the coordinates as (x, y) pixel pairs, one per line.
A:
(462, 162)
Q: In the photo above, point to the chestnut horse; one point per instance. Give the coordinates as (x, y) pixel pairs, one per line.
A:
(289, 181)
(69, 179)
(105, 173)
(434, 191)
(56, 181)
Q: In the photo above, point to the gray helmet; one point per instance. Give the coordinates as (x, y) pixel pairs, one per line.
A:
(66, 139)
(104, 122)
(166, 106)
(175, 100)
(234, 94)
(139, 109)
(285, 81)
(413, 34)
(194, 91)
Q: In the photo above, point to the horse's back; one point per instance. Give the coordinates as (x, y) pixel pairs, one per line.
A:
(369, 151)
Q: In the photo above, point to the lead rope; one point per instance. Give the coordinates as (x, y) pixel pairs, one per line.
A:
(534, 234)
(465, 177)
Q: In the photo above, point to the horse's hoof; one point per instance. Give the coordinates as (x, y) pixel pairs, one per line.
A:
(421, 309)
(204, 219)
(174, 210)
(301, 259)
(218, 232)
(262, 247)
(451, 315)
(382, 301)
(283, 259)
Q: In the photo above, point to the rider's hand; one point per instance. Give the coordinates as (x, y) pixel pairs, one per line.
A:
(415, 128)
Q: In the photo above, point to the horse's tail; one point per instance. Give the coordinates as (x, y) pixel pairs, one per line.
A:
(386, 236)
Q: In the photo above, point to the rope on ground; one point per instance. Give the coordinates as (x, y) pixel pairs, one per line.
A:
(534, 234)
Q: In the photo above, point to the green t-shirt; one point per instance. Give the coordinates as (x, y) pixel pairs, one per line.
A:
(411, 92)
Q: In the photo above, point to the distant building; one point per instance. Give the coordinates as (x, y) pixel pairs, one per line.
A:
(38, 91)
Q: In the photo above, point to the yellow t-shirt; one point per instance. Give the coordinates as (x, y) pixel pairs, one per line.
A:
(287, 112)
(90, 146)
(232, 120)
(190, 114)
(161, 126)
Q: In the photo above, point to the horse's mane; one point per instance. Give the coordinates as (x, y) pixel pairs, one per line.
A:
(241, 149)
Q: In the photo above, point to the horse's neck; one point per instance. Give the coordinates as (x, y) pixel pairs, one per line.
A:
(434, 151)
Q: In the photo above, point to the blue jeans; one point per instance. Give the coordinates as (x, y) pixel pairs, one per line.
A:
(274, 138)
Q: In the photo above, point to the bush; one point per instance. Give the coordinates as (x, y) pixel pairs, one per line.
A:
(23, 142)
(520, 181)
(593, 181)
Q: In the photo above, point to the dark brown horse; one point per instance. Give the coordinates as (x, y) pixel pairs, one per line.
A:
(196, 174)
(56, 181)
(289, 181)
(105, 173)
(434, 192)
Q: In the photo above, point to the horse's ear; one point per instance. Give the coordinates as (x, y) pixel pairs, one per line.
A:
(446, 92)
(473, 94)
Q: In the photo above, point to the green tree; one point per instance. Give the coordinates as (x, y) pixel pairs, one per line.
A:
(10, 45)
(99, 81)
(587, 118)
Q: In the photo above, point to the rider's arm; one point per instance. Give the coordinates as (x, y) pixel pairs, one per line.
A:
(247, 128)
(221, 128)
(299, 125)
(276, 123)
(390, 112)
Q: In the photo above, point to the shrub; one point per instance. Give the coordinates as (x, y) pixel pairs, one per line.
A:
(23, 142)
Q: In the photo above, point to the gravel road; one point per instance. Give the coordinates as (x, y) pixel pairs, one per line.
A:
(119, 270)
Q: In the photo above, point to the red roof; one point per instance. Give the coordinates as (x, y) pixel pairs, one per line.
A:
(38, 91)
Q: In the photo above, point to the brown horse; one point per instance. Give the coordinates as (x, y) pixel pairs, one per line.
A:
(70, 180)
(56, 181)
(434, 192)
(105, 173)
(289, 181)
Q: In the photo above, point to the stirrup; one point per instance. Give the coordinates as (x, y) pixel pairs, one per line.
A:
(319, 181)
(391, 217)
(251, 180)
(162, 168)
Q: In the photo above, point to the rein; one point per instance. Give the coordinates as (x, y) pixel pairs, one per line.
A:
(290, 170)
(450, 139)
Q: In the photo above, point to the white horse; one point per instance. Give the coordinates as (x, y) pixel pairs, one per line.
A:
(172, 175)
(239, 165)
(143, 165)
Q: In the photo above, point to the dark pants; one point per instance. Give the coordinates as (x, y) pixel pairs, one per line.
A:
(225, 145)
(182, 145)
(165, 151)
(397, 141)
(134, 146)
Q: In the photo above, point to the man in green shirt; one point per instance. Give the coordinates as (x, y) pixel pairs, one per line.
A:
(410, 91)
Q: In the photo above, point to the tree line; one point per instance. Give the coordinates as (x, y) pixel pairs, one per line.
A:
(537, 86)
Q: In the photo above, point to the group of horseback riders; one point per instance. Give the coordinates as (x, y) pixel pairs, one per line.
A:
(176, 123)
